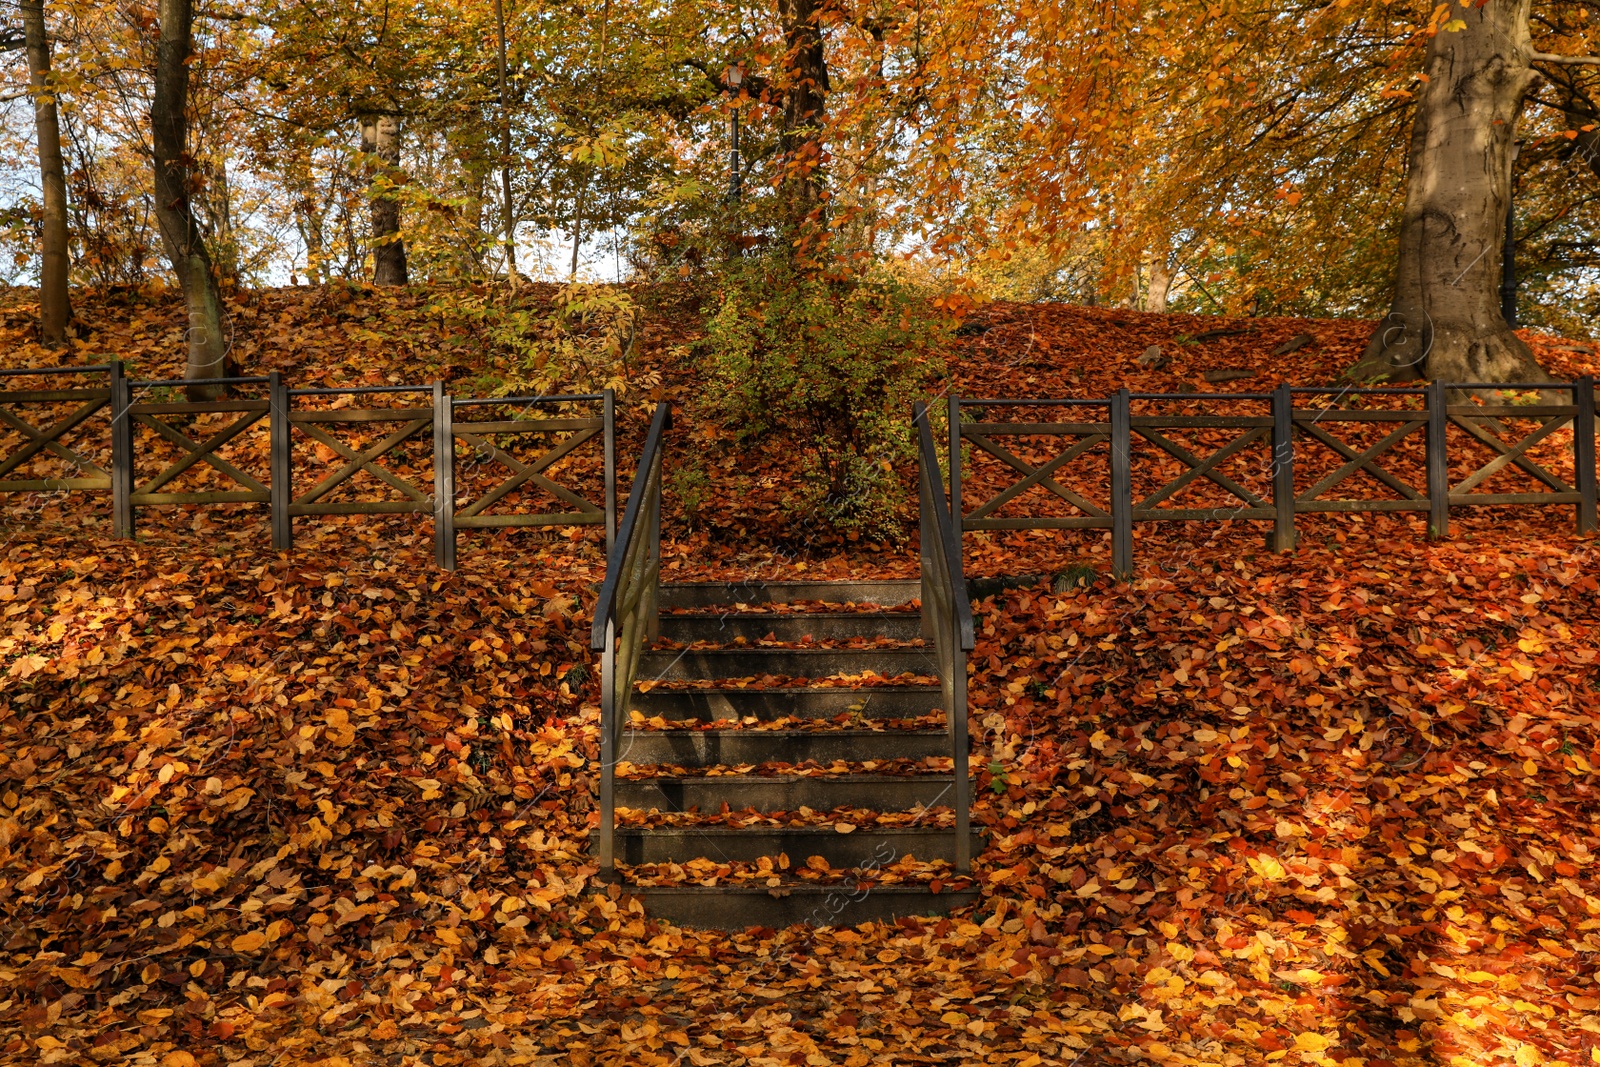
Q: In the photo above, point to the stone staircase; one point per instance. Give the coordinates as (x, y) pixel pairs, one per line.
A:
(704, 731)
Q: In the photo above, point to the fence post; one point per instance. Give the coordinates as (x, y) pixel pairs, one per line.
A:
(281, 462)
(444, 478)
(1438, 463)
(1283, 535)
(121, 453)
(1122, 485)
(1583, 453)
(955, 463)
(610, 433)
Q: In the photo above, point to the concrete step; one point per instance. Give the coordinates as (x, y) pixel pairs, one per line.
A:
(739, 907)
(807, 702)
(681, 665)
(716, 594)
(867, 847)
(724, 628)
(875, 792)
(711, 748)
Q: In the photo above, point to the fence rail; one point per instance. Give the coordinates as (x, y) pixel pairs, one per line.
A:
(148, 449)
(1124, 460)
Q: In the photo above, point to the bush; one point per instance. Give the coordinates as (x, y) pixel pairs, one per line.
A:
(578, 341)
(831, 367)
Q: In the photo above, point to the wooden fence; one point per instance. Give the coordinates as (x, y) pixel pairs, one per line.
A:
(1113, 462)
(466, 462)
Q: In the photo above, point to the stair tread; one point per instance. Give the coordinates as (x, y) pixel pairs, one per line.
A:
(823, 774)
(725, 907)
(930, 731)
(849, 610)
(887, 593)
(820, 829)
(798, 688)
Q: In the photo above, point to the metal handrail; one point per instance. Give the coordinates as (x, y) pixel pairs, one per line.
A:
(649, 457)
(947, 620)
(625, 616)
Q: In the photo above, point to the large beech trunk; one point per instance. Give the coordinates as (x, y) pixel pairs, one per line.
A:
(55, 311)
(1445, 322)
(804, 107)
(1161, 275)
(180, 235)
(380, 136)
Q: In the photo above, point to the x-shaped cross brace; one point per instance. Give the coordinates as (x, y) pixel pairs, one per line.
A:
(1198, 467)
(364, 460)
(523, 473)
(49, 440)
(1360, 461)
(1035, 476)
(1509, 454)
(196, 452)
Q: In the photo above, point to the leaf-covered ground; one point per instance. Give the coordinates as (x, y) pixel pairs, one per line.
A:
(332, 807)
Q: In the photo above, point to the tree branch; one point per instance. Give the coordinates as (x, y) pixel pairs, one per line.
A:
(1546, 57)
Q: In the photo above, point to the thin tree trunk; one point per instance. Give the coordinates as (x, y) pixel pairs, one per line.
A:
(507, 214)
(577, 230)
(180, 236)
(55, 310)
(804, 108)
(380, 137)
(1446, 322)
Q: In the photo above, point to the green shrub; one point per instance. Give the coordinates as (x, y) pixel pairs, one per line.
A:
(829, 367)
(578, 341)
(690, 486)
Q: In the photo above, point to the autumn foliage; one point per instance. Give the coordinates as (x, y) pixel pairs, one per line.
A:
(332, 807)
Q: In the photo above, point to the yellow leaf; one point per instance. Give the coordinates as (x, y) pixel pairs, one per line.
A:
(1268, 867)
(249, 942)
(1312, 1042)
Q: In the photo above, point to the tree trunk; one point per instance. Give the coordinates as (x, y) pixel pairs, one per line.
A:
(507, 216)
(180, 236)
(55, 310)
(1161, 275)
(577, 231)
(1445, 322)
(804, 108)
(380, 137)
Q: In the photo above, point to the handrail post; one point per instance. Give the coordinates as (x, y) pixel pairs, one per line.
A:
(281, 462)
(1121, 485)
(1283, 535)
(1583, 469)
(955, 463)
(444, 479)
(649, 598)
(926, 532)
(608, 754)
(121, 453)
(1438, 463)
(610, 432)
(959, 744)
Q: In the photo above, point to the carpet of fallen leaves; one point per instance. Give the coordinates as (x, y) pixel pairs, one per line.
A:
(332, 807)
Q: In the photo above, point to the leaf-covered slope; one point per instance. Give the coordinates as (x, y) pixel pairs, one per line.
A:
(333, 807)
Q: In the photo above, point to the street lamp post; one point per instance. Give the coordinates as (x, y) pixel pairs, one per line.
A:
(734, 77)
